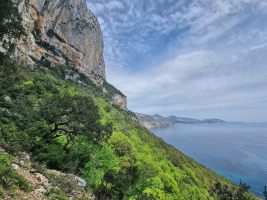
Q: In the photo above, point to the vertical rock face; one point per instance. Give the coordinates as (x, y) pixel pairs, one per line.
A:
(62, 31)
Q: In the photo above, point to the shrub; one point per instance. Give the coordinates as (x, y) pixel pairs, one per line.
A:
(80, 152)
(9, 178)
(11, 139)
(52, 154)
(225, 192)
(102, 163)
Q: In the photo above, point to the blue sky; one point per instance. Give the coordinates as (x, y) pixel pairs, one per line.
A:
(193, 58)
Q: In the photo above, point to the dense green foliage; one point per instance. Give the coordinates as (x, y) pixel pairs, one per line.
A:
(73, 127)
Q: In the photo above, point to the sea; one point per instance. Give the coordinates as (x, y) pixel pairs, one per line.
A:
(237, 151)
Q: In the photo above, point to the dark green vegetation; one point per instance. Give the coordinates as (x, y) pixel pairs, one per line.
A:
(73, 128)
(226, 192)
(10, 23)
(265, 192)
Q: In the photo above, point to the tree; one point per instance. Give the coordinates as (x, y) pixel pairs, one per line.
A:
(100, 171)
(10, 22)
(265, 192)
(72, 115)
(128, 173)
(242, 192)
(9, 76)
(224, 192)
(11, 139)
(10, 19)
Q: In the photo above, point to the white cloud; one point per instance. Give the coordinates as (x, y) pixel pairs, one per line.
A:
(197, 82)
(200, 58)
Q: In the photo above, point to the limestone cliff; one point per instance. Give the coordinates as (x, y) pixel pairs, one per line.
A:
(62, 31)
(120, 100)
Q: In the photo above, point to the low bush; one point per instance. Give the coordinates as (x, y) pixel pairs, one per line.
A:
(9, 178)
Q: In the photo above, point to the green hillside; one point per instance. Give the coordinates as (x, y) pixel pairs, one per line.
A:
(73, 128)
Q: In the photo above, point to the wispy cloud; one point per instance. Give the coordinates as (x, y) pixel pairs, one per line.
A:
(199, 58)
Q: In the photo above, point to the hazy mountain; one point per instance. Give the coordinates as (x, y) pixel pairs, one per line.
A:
(155, 121)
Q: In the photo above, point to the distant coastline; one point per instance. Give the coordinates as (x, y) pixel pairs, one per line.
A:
(157, 121)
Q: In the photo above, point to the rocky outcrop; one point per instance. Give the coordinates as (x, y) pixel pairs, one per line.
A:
(120, 100)
(46, 183)
(115, 96)
(62, 31)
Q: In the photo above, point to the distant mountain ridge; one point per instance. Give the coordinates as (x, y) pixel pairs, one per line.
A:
(156, 121)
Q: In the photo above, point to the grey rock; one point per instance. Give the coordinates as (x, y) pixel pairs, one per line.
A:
(43, 181)
(22, 163)
(120, 101)
(24, 156)
(62, 31)
(32, 170)
(15, 166)
(80, 181)
(41, 190)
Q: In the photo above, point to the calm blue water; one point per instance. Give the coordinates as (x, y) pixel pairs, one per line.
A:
(236, 151)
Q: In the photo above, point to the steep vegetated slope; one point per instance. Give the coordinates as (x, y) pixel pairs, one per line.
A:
(74, 128)
(71, 123)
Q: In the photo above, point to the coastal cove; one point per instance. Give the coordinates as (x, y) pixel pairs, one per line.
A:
(235, 151)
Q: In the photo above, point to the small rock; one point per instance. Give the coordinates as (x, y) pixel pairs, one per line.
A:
(15, 166)
(41, 190)
(73, 193)
(22, 163)
(39, 177)
(32, 170)
(24, 156)
(80, 181)
(42, 179)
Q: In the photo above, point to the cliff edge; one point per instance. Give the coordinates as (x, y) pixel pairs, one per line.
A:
(62, 32)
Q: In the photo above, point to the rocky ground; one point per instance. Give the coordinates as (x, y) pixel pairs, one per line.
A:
(45, 183)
